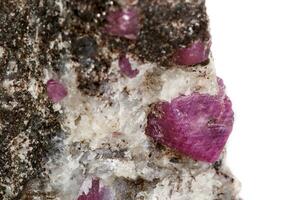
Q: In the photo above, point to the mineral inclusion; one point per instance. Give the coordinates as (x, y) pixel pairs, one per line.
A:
(125, 67)
(195, 53)
(111, 100)
(56, 91)
(123, 23)
(198, 125)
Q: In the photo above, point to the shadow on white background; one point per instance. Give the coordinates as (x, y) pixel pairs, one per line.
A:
(256, 46)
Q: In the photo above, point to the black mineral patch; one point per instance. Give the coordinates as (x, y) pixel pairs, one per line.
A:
(218, 165)
(85, 46)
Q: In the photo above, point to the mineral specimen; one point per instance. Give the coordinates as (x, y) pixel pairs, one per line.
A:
(111, 100)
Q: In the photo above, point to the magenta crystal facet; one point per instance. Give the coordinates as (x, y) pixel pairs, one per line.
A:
(125, 67)
(197, 125)
(96, 192)
(123, 23)
(196, 53)
(56, 91)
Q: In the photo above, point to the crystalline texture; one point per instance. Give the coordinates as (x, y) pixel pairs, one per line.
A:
(123, 23)
(197, 125)
(56, 91)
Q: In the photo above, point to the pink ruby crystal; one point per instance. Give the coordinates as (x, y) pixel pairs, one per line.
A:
(196, 53)
(125, 67)
(95, 192)
(123, 23)
(197, 125)
(56, 91)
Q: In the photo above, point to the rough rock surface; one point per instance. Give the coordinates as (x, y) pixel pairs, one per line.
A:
(48, 150)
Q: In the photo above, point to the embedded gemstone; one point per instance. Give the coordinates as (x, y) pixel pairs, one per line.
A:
(196, 53)
(125, 67)
(95, 192)
(197, 125)
(123, 23)
(56, 91)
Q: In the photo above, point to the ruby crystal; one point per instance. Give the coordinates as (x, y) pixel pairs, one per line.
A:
(123, 23)
(196, 53)
(125, 67)
(96, 192)
(197, 125)
(56, 91)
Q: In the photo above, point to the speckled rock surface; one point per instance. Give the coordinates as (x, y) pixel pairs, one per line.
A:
(48, 150)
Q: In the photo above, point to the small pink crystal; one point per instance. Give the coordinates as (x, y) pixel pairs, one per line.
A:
(197, 125)
(96, 192)
(196, 53)
(56, 91)
(125, 67)
(123, 23)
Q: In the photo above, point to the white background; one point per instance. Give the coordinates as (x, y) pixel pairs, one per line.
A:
(256, 46)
